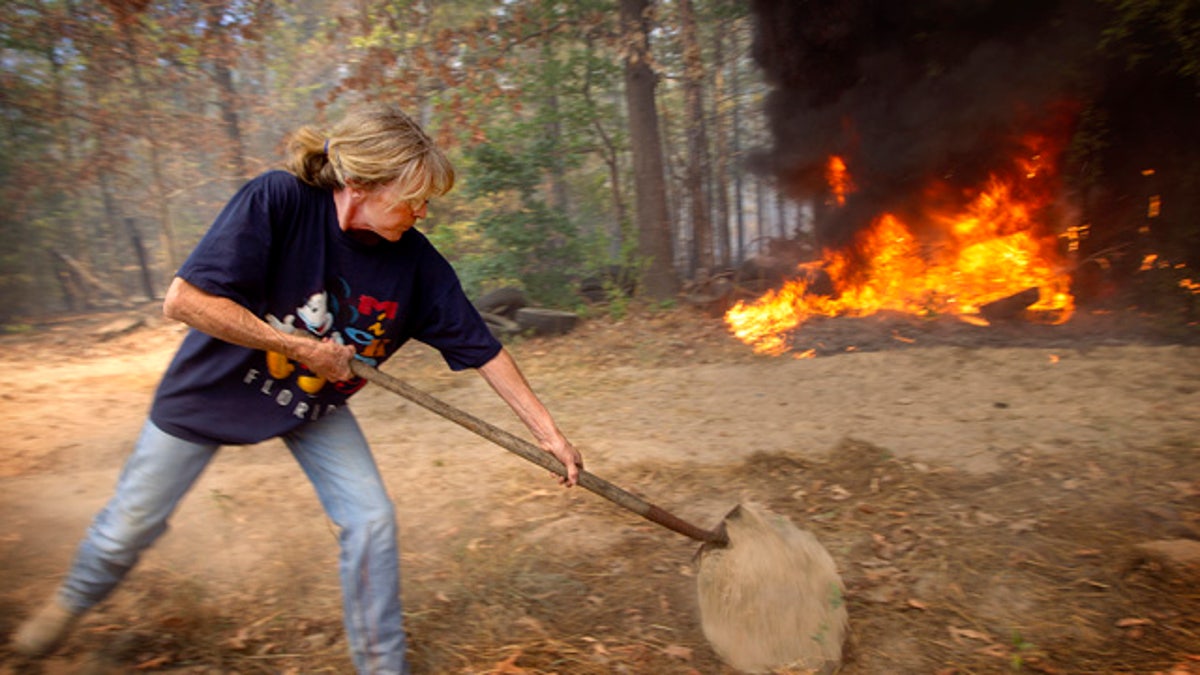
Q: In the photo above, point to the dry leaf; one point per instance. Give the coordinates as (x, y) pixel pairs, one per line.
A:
(678, 652)
(999, 651)
(1186, 489)
(985, 518)
(532, 624)
(1022, 526)
(838, 493)
(969, 634)
(153, 663)
(534, 494)
(238, 641)
(508, 666)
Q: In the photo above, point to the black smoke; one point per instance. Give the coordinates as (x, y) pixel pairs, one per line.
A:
(914, 92)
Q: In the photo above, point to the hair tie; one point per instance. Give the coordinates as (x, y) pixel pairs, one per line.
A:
(326, 146)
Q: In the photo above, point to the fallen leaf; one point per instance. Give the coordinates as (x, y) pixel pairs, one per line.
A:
(1024, 525)
(532, 624)
(999, 651)
(678, 652)
(1186, 489)
(985, 518)
(969, 634)
(508, 666)
(153, 663)
(838, 493)
(534, 494)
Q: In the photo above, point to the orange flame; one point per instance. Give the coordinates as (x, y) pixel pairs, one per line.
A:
(838, 177)
(989, 251)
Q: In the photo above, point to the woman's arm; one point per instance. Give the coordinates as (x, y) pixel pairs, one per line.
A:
(507, 380)
(227, 320)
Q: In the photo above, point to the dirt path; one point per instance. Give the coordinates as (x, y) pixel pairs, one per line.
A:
(983, 504)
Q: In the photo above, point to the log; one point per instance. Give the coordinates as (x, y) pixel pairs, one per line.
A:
(86, 278)
(1011, 307)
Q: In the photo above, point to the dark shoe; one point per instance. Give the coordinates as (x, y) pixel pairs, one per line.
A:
(45, 630)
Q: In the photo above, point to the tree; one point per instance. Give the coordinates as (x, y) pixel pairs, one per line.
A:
(698, 169)
(654, 228)
(128, 115)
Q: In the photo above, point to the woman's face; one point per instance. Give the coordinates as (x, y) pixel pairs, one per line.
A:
(377, 212)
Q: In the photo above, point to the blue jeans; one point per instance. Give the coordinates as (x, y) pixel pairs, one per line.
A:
(334, 455)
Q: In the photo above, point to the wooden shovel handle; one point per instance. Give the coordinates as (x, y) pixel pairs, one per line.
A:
(535, 454)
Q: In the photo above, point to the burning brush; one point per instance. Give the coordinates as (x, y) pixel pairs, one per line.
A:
(954, 262)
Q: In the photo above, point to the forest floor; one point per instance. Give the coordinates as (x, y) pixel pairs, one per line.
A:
(989, 503)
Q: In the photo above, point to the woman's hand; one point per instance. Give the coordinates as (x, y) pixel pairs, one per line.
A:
(507, 380)
(568, 455)
(225, 319)
(328, 359)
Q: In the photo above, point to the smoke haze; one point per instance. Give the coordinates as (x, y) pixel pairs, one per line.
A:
(911, 92)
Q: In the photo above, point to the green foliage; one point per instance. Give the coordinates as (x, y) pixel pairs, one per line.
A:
(1022, 651)
(534, 243)
(1167, 31)
(475, 256)
(618, 278)
(119, 112)
(1091, 139)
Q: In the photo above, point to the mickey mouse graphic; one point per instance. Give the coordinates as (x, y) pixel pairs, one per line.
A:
(318, 321)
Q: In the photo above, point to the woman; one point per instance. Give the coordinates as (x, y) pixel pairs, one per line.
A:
(302, 271)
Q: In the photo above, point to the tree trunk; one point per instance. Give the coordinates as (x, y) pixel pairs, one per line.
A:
(697, 142)
(88, 283)
(721, 179)
(781, 212)
(654, 224)
(612, 160)
(760, 205)
(227, 98)
(135, 239)
(236, 154)
(739, 205)
(554, 132)
(161, 197)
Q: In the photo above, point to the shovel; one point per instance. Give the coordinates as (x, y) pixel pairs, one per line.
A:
(531, 452)
(769, 594)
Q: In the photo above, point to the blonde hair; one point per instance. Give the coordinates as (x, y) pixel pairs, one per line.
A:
(371, 148)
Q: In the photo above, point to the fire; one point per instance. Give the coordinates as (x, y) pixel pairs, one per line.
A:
(838, 177)
(990, 250)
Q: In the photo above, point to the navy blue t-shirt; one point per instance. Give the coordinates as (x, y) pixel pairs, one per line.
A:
(277, 250)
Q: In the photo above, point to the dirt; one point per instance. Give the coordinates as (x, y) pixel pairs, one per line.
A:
(984, 505)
